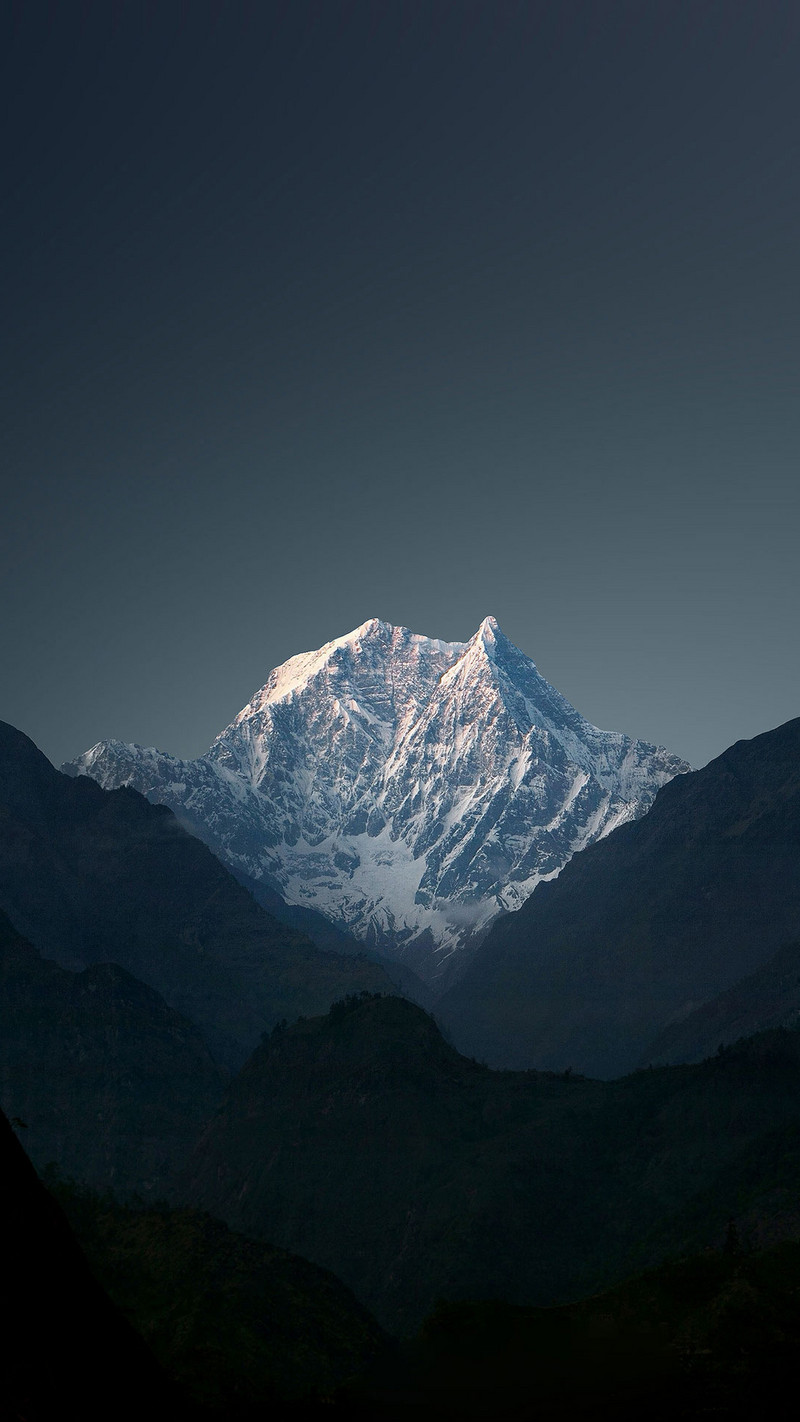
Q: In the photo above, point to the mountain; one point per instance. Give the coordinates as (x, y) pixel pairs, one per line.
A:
(333, 938)
(642, 929)
(90, 876)
(408, 788)
(112, 1084)
(365, 1142)
(67, 1351)
(770, 997)
(240, 1330)
(237, 1325)
(710, 1336)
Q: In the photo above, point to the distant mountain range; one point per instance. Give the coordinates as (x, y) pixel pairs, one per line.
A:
(407, 788)
(634, 953)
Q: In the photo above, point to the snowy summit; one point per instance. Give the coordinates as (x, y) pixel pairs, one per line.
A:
(407, 788)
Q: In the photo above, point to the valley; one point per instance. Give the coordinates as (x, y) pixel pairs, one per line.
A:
(219, 1105)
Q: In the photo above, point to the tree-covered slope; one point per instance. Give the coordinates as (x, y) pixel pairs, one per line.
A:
(239, 1326)
(363, 1141)
(713, 1336)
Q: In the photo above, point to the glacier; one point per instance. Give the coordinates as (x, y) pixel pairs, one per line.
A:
(410, 789)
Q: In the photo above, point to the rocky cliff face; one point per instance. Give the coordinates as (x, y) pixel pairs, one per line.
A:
(406, 787)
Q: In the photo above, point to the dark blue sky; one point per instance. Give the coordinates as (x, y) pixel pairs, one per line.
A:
(321, 311)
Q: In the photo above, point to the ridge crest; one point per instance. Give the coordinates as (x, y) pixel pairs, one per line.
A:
(406, 787)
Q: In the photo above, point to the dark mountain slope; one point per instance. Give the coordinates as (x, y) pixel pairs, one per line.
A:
(642, 928)
(770, 997)
(235, 1323)
(331, 938)
(364, 1142)
(710, 1337)
(66, 1350)
(91, 876)
(111, 1083)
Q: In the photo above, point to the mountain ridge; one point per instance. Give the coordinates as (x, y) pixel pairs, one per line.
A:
(644, 927)
(112, 1084)
(92, 876)
(367, 1142)
(406, 787)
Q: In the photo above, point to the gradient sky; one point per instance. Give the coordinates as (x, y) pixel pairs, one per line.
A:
(315, 312)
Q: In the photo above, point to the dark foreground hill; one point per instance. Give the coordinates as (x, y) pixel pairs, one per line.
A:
(67, 1351)
(239, 1326)
(715, 1336)
(364, 1142)
(243, 1331)
(643, 928)
(92, 876)
(112, 1084)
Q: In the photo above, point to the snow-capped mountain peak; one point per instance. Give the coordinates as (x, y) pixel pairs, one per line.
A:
(295, 674)
(406, 786)
(488, 635)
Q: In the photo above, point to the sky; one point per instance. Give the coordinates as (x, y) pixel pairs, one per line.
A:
(317, 312)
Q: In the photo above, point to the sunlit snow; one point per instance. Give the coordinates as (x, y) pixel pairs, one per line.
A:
(402, 785)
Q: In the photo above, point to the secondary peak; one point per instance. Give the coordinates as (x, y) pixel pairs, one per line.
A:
(368, 628)
(488, 635)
